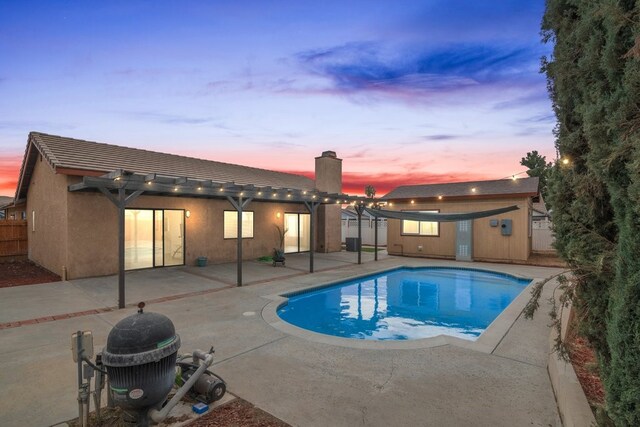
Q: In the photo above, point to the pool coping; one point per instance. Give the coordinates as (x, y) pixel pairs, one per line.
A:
(486, 343)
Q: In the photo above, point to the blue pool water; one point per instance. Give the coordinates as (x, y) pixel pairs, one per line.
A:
(406, 304)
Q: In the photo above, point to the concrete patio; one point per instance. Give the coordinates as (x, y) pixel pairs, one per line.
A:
(303, 382)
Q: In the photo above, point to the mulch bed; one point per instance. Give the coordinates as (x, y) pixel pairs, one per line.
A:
(238, 413)
(19, 273)
(586, 366)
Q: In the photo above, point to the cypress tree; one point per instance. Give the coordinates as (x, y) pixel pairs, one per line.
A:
(594, 82)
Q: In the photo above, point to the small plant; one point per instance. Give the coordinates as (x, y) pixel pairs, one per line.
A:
(281, 234)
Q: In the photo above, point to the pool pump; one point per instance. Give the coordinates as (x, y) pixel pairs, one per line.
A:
(140, 360)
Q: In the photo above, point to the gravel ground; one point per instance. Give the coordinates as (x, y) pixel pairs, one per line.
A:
(238, 413)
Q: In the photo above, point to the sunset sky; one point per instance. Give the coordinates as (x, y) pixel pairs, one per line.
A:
(404, 91)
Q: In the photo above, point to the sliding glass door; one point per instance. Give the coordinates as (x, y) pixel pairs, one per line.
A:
(138, 239)
(297, 237)
(153, 238)
(173, 237)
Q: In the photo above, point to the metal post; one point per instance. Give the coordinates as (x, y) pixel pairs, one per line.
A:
(79, 359)
(359, 210)
(239, 205)
(121, 205)
(312, 207)
(239, 255)
(120, 202)
(375, 238)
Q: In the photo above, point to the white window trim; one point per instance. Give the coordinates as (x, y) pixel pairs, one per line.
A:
(420, 224)
(233, 231)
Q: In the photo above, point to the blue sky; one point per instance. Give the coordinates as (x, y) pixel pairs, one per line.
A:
(404, 92)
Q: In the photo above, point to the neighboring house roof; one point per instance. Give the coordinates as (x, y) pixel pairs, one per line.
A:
(79, 157)
(540, 208)
(350, 213)
(5, 202)
(499, 187)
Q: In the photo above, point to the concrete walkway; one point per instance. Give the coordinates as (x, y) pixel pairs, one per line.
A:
(302, 382)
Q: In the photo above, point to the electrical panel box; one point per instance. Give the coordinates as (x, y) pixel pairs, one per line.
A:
(493, 222)
(506, 226)
(85, 342)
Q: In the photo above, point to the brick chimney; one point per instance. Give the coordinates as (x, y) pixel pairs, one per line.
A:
(329, 179)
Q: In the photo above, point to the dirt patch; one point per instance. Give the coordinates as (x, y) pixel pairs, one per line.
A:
(585, 364)
(238, 413)
(21, 273)
(545, 260)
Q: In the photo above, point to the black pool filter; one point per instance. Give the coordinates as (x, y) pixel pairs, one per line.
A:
(140, 357)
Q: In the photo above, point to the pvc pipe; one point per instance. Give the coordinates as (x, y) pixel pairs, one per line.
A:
(159, 416)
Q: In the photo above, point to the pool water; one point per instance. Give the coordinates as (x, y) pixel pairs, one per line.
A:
(406, 304)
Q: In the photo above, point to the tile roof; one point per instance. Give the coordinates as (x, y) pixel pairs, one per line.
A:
(70, 153)
(499, 187)
(5, 201)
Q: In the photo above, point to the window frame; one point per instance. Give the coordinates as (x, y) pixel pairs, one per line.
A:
(253, 222)
(419, 234)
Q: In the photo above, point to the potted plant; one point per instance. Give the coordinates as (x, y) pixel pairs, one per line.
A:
(278, 253)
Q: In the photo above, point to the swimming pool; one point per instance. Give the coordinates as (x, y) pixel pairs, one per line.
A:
(405, 304)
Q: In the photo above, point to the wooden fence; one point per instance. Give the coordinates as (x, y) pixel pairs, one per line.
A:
(13, 238)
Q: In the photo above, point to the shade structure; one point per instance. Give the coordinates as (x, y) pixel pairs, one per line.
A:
(438, 217)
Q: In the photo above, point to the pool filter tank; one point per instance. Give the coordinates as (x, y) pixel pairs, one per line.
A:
(140, 358)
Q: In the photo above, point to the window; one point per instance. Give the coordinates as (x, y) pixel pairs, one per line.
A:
(421, 228)
(231, 225)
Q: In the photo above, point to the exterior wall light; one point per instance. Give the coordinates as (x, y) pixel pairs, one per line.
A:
(187, 213)
(473, 190)
(413, 201)
(440, 197)
(278, 214)
(390, 203)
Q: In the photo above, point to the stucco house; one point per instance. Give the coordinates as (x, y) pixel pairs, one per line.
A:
(503, 238)
(177, 208)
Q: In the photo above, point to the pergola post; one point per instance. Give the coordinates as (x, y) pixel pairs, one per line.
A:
(359, 210)
(312, 207)
(121, 202)
(239, 205)
(121, 207)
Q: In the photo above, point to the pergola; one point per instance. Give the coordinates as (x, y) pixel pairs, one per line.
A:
(123, 187)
